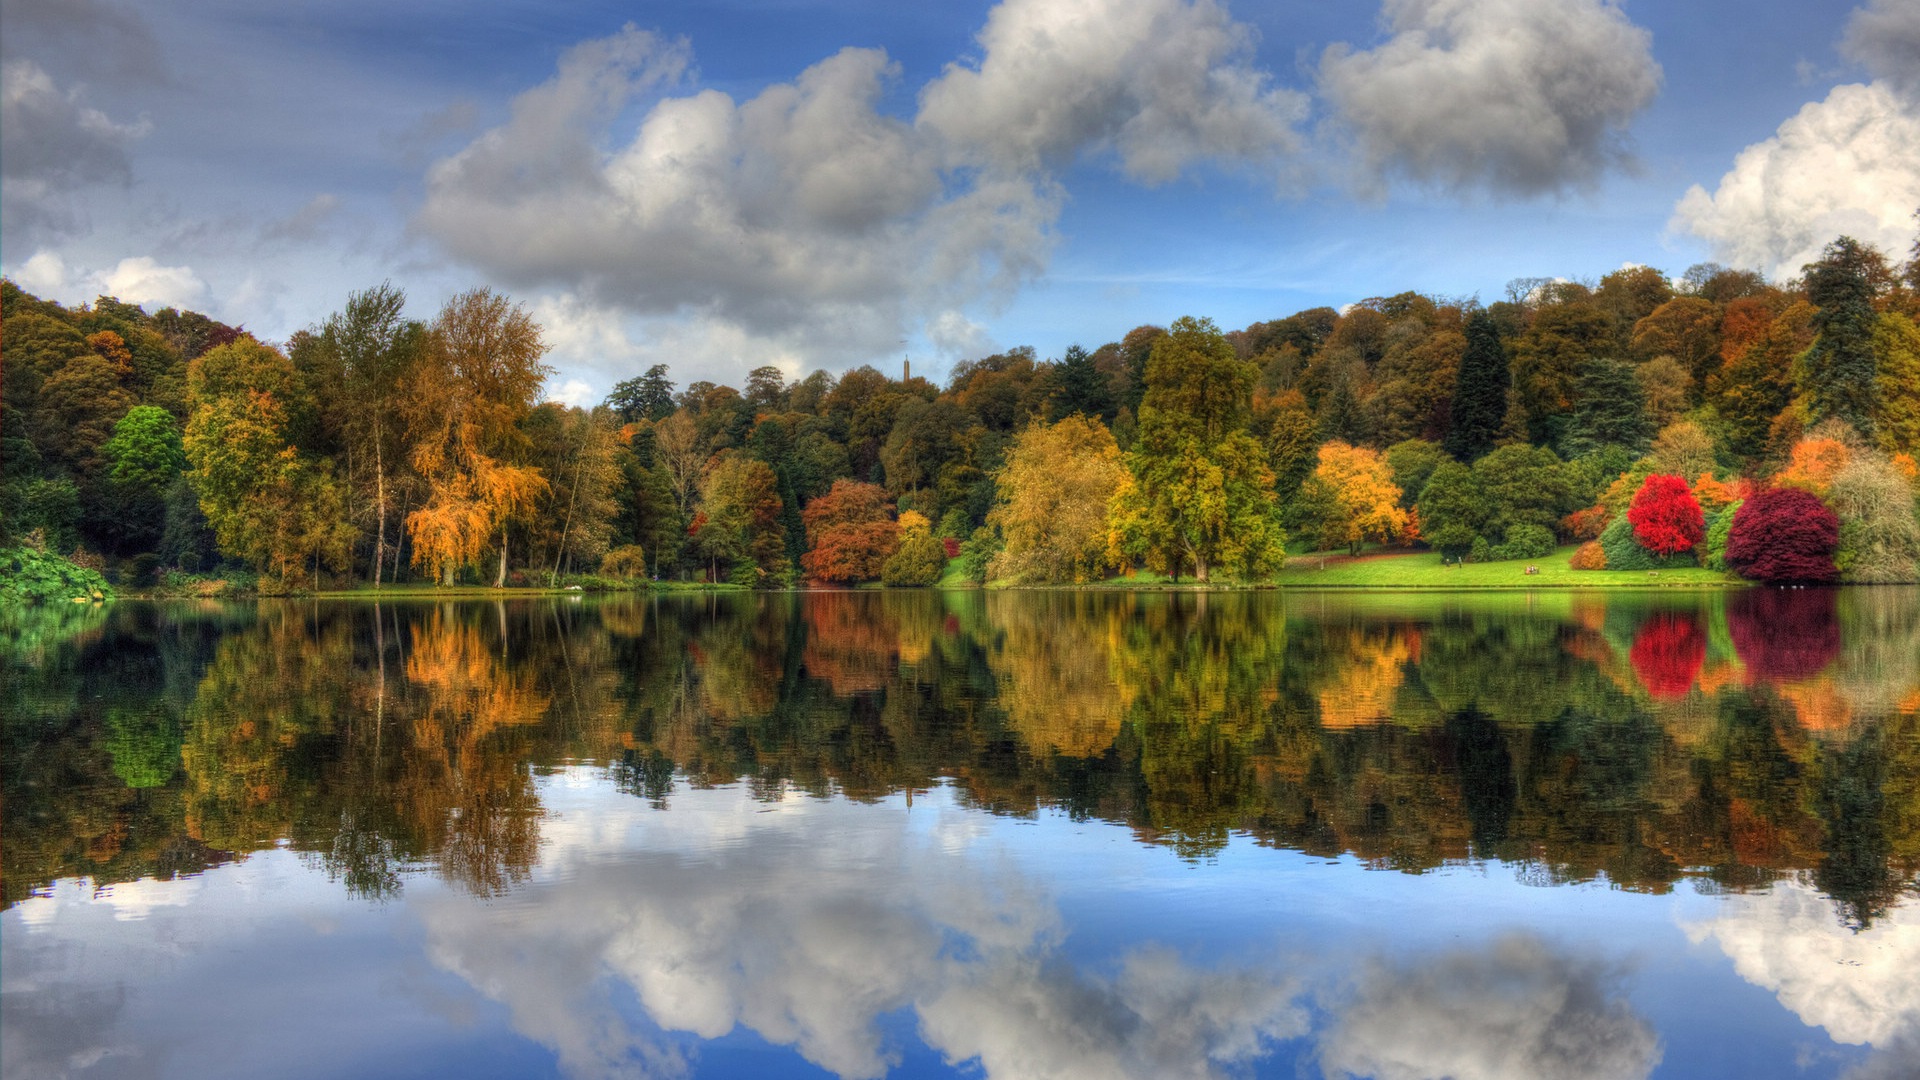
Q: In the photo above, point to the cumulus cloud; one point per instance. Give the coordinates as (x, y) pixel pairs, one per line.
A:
(808, 932)
(807, 222)
(51, 143)
(137, 280)
(1885, 37)
(142, 280)
(304, 224)
(1847, 165)
(1162, 83)
(1518, 96)
(1519, 1009)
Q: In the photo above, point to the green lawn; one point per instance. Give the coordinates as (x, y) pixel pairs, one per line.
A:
(1423, 570)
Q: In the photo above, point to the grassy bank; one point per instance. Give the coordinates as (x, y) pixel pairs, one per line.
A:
(1424, 570)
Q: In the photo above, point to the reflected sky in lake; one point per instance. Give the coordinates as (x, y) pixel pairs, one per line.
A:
(778, 837)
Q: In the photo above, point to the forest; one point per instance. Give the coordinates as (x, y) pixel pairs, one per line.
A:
(1714, 419)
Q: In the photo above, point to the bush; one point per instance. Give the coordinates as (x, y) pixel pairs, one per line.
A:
(141, 571)
(977, 552)
(32, 577)
(1782, 536)
(1666, 517)
(1624, 552)
(918, 562)
(1589, 556)
(626, 561)
(1526, 542)
(1481, 551)
(1718, 525)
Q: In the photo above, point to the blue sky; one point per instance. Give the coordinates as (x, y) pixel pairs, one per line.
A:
(720, 185)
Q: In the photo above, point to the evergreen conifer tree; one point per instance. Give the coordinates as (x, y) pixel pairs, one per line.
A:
(1838, 372)
(1480, 392)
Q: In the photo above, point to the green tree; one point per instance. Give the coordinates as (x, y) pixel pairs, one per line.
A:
(643, 397)
(1453, 510)
(740, 501)
(1083, 388)
(1896, 347)
(368, 351)
(1521, 485)
(1837, 373)
(143, 459)
(1480, 391)
(1200, 493)
(1608, 410)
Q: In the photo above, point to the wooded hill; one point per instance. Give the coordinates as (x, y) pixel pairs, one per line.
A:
(1646, 415)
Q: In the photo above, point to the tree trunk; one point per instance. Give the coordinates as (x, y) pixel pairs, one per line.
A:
(380, 508)
(1199, 567)
(500, 579)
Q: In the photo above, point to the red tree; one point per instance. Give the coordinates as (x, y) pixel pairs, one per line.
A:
(850, 532)
(1782, 536)
(1668, 654)
(1666, 517)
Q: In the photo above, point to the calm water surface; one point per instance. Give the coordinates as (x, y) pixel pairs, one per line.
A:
(1008, 835)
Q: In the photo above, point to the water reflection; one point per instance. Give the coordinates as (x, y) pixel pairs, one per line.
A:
(1641, 738)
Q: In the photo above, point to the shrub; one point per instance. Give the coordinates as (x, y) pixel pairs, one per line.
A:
(1718, 525)
(1784, 535)
(1626, 553)
(1481, 551)
(30, 576)
(1586, 524)
(918, 562)
(1666, 517)
(1590, 556)
(1526, 542)
(626, 561)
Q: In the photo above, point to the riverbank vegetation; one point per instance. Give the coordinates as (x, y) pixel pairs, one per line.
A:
(1717, 422)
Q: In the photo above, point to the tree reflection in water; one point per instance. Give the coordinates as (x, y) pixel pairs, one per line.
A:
(1643, 738)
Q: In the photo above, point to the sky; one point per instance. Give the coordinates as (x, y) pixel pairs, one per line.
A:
(721, 184)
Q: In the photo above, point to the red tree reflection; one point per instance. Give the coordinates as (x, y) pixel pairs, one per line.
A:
(1784, 635)
(1668, 653)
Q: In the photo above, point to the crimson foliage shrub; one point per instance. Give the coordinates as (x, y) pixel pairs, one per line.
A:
(1784, 536)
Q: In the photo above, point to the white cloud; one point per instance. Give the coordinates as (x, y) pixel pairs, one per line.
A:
(1848, 165)
(142, 280)
(1517, 96)
(50, 144)
(45, 274)
(1162, 83)
(1885, 36)
(806, 225)
(1517, 1010)
(807, 927)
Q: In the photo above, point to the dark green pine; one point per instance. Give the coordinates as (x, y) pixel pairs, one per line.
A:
(1480, 391)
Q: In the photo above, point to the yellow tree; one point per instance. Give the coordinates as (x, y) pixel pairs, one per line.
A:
(268, 503)
(1362, 501)
(1052, 495)
(477, 378)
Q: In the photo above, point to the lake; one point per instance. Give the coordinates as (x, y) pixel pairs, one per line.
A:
(1019, 834)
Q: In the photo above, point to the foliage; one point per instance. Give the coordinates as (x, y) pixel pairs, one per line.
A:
(1719, 525)
(627, 562)
(1412, 462)
(1666, 517)
(1624, 552)
(1784, 535)
(1363, 501)
(1525, 542)
(850, 533)
(1480, 391)
(1896, 350)
(1052, 497)
(1522, 485)
(741, 502)
(1452, 509)
(1609, 409)
(1589, 556)
(31, 576)
(919, 559)
(1880, 536)
(1199, 492)
(1837, 374)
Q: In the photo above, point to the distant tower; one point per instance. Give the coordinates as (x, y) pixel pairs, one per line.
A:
(906, 369)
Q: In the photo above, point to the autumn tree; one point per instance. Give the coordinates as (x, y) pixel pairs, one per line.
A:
(920, 556)
(850, 533)
(1753, 388)
(269, 504)
(1666, 517)
(1199, 491)
(1896, 349)
(740, 505)
(1879, 536)
(369, 349)
(475, 380)
(1784, 535)
(1052, 498)
(1363, 502)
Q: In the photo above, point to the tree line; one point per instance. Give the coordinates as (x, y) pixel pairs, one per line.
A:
(1657, 420)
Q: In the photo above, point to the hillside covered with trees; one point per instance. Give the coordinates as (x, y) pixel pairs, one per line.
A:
(1719, 419)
